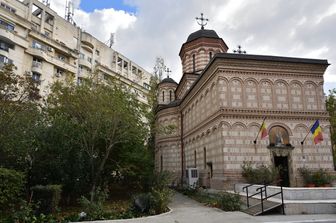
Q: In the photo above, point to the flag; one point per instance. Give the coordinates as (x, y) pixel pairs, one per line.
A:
(263, 130)
(317, 132)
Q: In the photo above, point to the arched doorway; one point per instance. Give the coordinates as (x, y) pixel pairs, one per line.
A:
(281, 153)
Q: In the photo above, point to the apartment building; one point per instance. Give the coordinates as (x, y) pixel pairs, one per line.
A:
(42, 44)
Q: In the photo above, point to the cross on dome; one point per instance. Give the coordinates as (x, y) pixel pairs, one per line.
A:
(168, 71)
(203, 21)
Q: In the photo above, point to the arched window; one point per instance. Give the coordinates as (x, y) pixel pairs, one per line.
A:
(210, 55)
(162, 95)
(170, 95)
(278, 137)
(161, 163)
(204, 157)
(194, 63)
(195, 158)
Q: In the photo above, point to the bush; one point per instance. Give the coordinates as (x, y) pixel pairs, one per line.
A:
(94, 210)
(259, 175)
(318, 178)
(229, 202)
(46, 197)
(11, 187)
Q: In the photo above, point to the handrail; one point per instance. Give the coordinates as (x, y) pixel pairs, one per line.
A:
(261, 190)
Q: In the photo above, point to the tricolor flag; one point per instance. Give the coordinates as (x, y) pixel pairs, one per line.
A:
(263, 130)
(317, 132)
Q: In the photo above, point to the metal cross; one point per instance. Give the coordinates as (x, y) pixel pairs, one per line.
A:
(203, 21)
(239, 50)
(168, 71)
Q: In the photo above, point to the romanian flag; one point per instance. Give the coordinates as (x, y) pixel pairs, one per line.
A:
(317, 132)
(263, 130)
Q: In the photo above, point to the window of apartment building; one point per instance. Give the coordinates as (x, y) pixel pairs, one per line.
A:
(37, 62)
(46, 34)
(134, 69)
(61, 57)
(36, 77)
(59, 72)
(97, 52)
(89, 59)
(6, 25)
(7, 7)
(81, 56)
(5, 46)
(38, 45)
(5, 60)
(49, 19)
(125, 65)
(119, 62)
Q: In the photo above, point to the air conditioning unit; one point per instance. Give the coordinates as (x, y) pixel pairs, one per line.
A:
(192, 177)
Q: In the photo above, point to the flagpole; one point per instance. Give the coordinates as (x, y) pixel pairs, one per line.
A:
(255, 141)
(305, 138)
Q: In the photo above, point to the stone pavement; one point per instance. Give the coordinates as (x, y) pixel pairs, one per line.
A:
(186, 210)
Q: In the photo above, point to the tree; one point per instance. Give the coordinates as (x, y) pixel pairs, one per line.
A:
(331, 108)
(19, 115)
(106, 118)
(159, 67)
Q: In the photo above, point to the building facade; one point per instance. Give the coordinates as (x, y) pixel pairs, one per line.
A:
(219, 104)
(47, 47)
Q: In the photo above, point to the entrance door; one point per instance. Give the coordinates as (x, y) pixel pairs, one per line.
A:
(281, 162)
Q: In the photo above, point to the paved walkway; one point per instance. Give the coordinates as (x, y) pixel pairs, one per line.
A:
(186, 210)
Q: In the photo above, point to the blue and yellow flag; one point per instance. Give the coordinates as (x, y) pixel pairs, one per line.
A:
(317, 132)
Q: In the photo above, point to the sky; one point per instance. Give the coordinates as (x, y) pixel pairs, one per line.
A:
(146, 29)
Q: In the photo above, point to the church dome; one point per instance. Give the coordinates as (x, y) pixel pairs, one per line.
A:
(168, 80)
(207, 33)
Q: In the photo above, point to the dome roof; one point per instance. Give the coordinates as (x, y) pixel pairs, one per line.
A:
(202, 33)
(168, 80)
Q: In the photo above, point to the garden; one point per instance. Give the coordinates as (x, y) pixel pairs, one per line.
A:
(84, 152)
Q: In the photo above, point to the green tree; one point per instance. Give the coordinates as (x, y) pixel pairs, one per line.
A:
(331, 108)
(19, 115)
(106, 118)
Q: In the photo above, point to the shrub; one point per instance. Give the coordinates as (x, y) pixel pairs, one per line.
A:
(259, 175)
(94, 210)
(318, 178)
(46, 197)
(160, 200)
(229, 202)
(11, 187)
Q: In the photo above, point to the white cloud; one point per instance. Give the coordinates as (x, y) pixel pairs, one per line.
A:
(298, 28)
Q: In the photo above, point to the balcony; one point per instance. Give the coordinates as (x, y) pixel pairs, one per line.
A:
(11, 37)
(37, 67)
(39, 53)
(85, 63)
(87, 41)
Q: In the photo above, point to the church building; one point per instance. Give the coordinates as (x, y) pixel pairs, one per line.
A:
(211, 118)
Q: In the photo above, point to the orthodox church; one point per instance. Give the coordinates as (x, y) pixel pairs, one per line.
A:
(215, 113)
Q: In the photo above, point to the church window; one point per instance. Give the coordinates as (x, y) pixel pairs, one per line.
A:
(204, 157)
(161, 163)
(162, 95)
(195, 159)
(210, 55)
(170, 95)
(194, 63)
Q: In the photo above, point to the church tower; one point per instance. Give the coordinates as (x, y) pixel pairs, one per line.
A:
(199, 49)
(166, 91)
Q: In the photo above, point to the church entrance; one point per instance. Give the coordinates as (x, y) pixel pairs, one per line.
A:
(281, 162)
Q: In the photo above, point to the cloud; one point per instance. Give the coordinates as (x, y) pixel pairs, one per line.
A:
(299, 28)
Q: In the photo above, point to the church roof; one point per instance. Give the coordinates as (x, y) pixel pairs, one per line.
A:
(271, 58)
(168, 80)
(202, 33)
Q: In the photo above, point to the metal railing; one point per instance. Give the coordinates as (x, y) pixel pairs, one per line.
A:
(263, 196)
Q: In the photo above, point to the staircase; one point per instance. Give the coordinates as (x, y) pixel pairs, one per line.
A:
(264, 205)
